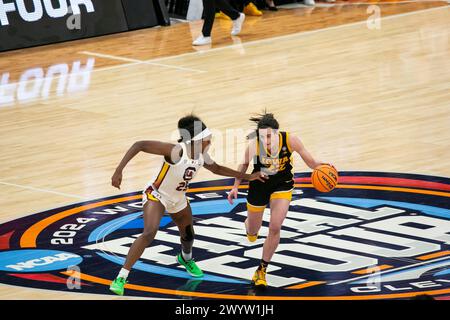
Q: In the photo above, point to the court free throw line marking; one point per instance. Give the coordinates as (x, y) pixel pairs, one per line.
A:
(137, 61)
(42, 190)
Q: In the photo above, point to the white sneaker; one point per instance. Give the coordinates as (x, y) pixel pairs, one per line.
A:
(309, 2)
(201, 41)
(237, 24)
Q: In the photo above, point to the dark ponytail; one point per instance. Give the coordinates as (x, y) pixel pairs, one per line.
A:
(264, 121)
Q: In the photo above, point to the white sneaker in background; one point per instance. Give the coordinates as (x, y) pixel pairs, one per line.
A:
(309, 2)
(237, 25)
(201, 41)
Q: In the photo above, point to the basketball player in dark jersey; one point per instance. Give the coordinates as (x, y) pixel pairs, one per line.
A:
(271, 151)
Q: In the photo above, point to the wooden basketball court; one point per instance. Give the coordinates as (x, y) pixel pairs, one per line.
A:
(365, 97)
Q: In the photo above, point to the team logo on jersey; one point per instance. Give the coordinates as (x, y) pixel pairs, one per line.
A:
(376, 236)
(189, 174)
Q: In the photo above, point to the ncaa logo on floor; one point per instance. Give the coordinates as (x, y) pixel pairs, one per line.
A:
(376, 236)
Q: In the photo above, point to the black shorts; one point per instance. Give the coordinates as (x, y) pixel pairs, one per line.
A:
(260, 193)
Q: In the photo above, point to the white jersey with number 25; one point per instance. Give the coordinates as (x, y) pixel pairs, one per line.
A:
(171, 183)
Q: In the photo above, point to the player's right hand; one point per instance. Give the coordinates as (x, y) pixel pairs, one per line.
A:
(116, 179)
(232, 195)
(327, 164)
(260, 176)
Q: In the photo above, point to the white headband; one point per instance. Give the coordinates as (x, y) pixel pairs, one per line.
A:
(202, 135)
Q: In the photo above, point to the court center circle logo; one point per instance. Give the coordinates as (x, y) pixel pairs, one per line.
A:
(376, 236)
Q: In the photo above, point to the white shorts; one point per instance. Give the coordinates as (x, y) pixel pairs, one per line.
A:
(150, 194)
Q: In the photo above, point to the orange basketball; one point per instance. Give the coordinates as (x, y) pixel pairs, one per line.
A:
(324, 178)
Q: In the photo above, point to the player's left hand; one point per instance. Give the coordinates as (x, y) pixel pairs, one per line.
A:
(232, 195)
(116, 179)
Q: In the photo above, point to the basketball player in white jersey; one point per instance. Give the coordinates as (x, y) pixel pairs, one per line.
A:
(167, 191)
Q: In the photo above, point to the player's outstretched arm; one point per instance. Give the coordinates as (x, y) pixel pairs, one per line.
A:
(153, 147)
(298, 147)
(215, 168)
(228, 172)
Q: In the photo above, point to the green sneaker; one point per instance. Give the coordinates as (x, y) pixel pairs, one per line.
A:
(190, 266)
(117, 286)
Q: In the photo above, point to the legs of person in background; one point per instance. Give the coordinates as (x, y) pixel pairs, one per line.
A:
(248, 7)
(209, 12)
(202, 40)
(237, 17)
(221, 15)
(237, 24)
(209, 8)
(271, 5)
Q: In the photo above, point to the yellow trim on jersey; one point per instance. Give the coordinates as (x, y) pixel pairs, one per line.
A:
(162, 174)
(256, 209)
(280, 142)
(287, 142)
(281, 195)
(257, 146)
(151, 197)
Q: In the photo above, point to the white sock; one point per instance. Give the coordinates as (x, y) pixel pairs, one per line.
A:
(186, 256)
(123, 273)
